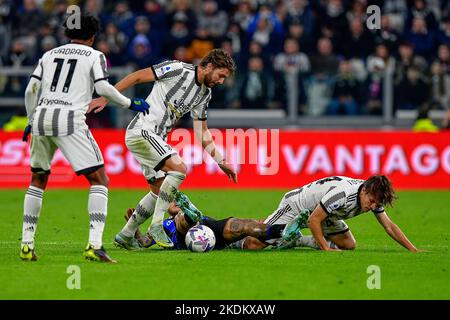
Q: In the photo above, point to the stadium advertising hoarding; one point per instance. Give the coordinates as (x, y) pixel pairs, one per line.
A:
(263, 158)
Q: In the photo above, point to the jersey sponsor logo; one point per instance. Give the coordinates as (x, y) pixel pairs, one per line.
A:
(48, 102)
(164, 70)
(79, 52)
(334, 206)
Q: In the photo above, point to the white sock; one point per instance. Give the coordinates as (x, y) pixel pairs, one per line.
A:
(166, 195)
(97, 207)
(143, 211)
(31, 211)
(309, 241)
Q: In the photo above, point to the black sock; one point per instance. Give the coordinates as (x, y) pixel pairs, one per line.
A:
(274, 231)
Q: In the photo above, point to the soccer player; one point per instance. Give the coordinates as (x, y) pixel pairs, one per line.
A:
(179, 88)
(323, 205)
(185, 215)
(56, 100)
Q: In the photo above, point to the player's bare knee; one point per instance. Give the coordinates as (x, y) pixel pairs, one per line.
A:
(39, 180)
(348, 245)
(98, 177)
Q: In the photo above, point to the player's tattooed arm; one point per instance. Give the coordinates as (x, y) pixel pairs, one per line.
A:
(236, 229)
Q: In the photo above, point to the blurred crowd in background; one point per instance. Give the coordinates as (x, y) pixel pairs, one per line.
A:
(319, 50)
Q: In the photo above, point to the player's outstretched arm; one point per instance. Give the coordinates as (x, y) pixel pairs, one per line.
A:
(140, 76)
(105, 89)
(31, 94)
(203, 134)
(395, 232)
(315, 225)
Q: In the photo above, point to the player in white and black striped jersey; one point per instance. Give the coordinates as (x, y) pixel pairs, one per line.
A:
(323, 205)
(179, 88)
(56, 99)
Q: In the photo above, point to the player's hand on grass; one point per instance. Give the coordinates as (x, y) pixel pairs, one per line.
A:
(26, 133)
(228, 170)
(97, 105)
(140, 105)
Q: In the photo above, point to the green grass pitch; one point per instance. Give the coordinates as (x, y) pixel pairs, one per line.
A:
(300, 273)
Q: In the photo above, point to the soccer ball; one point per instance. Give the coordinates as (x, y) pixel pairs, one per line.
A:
(200, 239)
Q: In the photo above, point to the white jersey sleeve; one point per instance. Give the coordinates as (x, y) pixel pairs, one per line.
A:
(99, 70)
(200, 112)
(167, 70)
(37, 73)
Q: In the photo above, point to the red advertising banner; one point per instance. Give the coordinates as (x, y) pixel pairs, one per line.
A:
(263, 158)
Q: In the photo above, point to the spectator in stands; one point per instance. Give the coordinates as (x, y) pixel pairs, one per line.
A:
(152, 45)
(413, 91)
(373, 87)
(157, 16)
(244, 14)
(325, 62)
(335, 15)
(17, 58)
(397, 11)
(382, 51)
(94, 7)
(255, 49)
(255, 87)
(290, 69)
(357, 11)
(200, 45)
(234, 34)
(140, 52)
(179, 36)
(117, 42)
(180, 54)
(421, 37)
(296, 31)
(359, 43)
(421, 10)
(123, 18)
(267, 30)
(440, 79)
(444, 57)
(5, 28)
(212, 19)
(181, 10)
(324, 66)
(443, 36)
(386, 34)
(226, 95)
(407, 58)
(346, 91)
(28, 19)
(57, 16)
(300, 13)
(47, 43)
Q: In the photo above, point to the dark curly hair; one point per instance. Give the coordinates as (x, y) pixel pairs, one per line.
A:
(219, 59)
(381, 188)
(89, 27)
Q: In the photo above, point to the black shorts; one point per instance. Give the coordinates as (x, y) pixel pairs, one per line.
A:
(217, 227)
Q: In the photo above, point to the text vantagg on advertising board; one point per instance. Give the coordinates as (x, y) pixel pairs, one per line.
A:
(263, 158)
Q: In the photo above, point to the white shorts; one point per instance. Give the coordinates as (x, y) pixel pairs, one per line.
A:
(150, 150)
(286, 212)
(79, 148)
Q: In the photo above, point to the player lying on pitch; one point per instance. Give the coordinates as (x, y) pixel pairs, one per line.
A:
(323, 205)
(185, 215)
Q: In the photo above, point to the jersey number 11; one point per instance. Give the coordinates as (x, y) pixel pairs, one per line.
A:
(59, 64)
